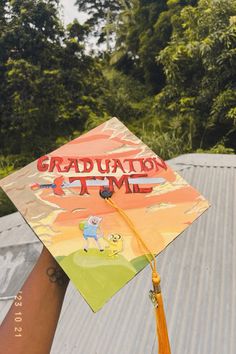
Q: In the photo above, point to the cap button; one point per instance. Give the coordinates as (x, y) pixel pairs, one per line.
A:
(105, 193)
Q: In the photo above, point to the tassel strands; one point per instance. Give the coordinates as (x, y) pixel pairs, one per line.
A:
(161, 326)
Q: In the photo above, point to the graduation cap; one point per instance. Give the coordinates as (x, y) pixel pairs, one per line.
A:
(105, 205)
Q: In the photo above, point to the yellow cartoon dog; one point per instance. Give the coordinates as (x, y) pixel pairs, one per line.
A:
(115, 244)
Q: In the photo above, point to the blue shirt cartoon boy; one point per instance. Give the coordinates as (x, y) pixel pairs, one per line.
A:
(91, 229)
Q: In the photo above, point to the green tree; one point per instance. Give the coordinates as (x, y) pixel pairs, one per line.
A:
(145, 28)
(49, 86)
(200, 67)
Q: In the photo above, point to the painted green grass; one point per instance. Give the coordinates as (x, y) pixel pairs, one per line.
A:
(96, 275)
(139, 263)
(60, 258)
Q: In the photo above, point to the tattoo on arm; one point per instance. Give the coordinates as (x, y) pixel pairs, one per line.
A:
(57, 275)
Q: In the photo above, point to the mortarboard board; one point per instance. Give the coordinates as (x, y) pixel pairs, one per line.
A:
(90, 200)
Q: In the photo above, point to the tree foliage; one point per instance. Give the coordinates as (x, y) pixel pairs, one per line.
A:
(49, 86)
(168, 71)
(200, 67)
(144, 29)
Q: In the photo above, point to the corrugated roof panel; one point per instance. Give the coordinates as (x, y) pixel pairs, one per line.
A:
(15, 231)
(16, 263)
(201, 305)
(4, 308)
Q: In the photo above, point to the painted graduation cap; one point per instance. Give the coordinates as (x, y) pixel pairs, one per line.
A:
(60, 197)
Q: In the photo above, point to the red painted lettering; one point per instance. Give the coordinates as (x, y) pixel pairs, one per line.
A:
(119, 182)
(42, 167)
(88, 165)
(107, 165)
(117, 164)
(55, 162)
(159, 163)
(137, 188)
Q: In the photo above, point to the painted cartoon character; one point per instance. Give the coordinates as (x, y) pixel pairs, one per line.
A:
(115, 244)
(91, 229)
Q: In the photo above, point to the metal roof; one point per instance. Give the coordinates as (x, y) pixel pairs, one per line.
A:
(198, 273)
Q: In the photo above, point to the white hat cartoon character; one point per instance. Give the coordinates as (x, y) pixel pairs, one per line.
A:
(91, 229)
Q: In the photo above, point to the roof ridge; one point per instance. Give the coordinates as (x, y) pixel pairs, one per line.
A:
(202, 165)
(10, 228)
(205, 160)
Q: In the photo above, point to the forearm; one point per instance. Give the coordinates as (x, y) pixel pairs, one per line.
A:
(40, 308)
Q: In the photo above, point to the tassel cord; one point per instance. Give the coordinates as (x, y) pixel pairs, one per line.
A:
(161, 326)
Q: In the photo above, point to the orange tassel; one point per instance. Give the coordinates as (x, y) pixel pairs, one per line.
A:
(161, 326)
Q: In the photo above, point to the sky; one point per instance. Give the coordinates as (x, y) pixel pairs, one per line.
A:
(71, 12)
